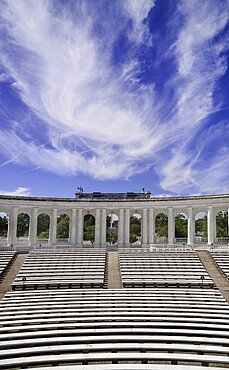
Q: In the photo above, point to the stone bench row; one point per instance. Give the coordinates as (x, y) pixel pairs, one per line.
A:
(54, 328)
(6, 259)
(62, 270)
(124, 366)
(164, 271)
(104, 357)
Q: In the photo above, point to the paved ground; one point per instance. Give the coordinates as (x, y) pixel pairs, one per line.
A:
(217, 276)
(5, 286)
(114, 277)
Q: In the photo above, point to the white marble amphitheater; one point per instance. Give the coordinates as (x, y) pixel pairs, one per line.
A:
(155, 305)
(123, 205)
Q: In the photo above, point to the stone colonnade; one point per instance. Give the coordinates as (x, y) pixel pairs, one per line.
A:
(148, 210)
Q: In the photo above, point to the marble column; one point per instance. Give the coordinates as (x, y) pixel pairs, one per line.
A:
(121, 228)
(97, 227)
(144, 228)
(53, 227)
(151, 228)
(103, 227)
(73, 227)
(171, 227)
(191, 226)
(214, 225)
(210, 226)
(12, 227)
(127, 228)
(80, 227)
(33, 227)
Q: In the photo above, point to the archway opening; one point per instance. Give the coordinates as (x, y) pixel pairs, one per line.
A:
(201, 227)
(181, 228)
(222, 227)
(62, 229)
(112, 228)
(89, 229)
(135, 228)
(4, 224)
(161, 228)
(23, 221)
(43, 226)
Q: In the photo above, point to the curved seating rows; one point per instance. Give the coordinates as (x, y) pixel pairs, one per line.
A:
(5, 259)
(148, 269)
(79, 269)
(222, 261)
(95, 326)
(126, 367)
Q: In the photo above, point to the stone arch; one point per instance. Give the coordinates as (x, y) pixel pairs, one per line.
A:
(63, 226)
(4, 226)
(43, 226)
(161, 227)
(112, 220)
(135, 236)
(88, 228)
(23, 224)
(181, 227)
(201, 227)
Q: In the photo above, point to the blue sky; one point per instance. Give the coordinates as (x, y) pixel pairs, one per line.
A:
(114, 95)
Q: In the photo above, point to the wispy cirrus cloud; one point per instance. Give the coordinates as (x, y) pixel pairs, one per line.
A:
(78, 67)
(201, 63)
(20, 191)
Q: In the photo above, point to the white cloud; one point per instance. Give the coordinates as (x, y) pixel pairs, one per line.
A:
(20, 191)
(64, 78)
(138, 10)
(200, 65)
(99, 119)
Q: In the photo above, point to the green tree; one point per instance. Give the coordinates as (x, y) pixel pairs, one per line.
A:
(181, 226)
(43, 222)
(161, 225)
(222, 224)
(44, 235)
(62, 226)
(22, 225)
(108, 222)
(3, 226)
(89, 228)
(89, 233)
(135, 228)
(201, 227)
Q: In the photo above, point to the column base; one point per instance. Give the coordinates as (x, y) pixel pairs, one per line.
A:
(96, 245)
(77, 245)
(10, 245)
(127, 245)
